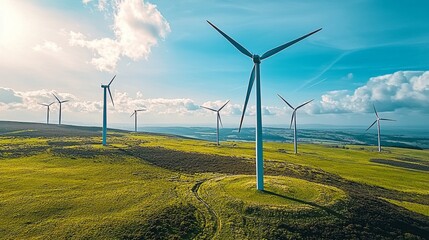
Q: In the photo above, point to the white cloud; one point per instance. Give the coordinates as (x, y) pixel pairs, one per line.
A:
(8, 95)
(108, 50)
(31, 100)
(402, 89)
(47, 46)
(124, 103)
(138, 26)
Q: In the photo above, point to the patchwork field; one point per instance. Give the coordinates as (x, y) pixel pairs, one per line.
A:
(58, 182)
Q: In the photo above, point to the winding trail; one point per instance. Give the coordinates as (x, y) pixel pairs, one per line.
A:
(212, 233)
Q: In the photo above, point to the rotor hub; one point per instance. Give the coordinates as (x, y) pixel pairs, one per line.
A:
(256, 58)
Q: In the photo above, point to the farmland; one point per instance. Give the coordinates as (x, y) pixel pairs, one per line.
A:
(59, 182)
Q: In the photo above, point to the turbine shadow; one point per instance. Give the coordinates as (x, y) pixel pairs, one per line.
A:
(326, 209)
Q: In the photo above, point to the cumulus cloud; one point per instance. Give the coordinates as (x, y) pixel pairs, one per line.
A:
(31, 100)
(138, 26)
(402, 89)
(47, 46)
(8, 96)
(124, 103)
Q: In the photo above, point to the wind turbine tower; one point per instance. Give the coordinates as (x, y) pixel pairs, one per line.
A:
(135, 118)
(293, 120)
(377, 120)
(255, 76)
(105, 89)
(60, 102)
(47, 112)
(218, 119)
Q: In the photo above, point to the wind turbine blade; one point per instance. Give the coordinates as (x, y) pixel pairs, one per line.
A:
(111, 98)
(386, 119)
(111, 81)
(249, 90)
(65, 101)
(220, 119)
(50, 104)
(223, 106)
(211, 109)
(376, 114)
(291, 119)
(56, 98)
(232, 41)
(141, 110)
(280, 48)
(285, 101)
(371, 125)
(304, 103)
(133, 114)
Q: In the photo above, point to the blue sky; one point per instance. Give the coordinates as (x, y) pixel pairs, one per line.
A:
(169, 60)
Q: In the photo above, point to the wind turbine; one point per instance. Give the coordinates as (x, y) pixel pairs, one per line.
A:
(255, 76)
(135, 117)
(293, 120)
(60, 102)
(377, 120)
(105, 89)
(48, 107)
(218, 119)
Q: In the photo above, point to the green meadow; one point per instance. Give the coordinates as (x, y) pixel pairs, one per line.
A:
(58, 182)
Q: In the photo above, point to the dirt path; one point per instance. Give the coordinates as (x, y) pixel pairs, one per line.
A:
(212, 233)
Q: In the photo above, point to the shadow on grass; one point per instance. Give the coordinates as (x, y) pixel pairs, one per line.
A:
(326, 209)
(400, 164)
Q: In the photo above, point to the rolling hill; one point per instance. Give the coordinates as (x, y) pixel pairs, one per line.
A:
(59, 182)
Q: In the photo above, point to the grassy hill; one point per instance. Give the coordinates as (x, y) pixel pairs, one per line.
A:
(59, 182)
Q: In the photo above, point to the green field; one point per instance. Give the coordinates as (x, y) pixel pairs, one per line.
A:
(58, 182)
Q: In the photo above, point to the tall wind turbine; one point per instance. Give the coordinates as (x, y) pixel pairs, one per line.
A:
(60, 102)
(135, 118)
(105, 89)
(255, 76)
(293, 120)
(377, 120)
(218, 119)
(47, 112)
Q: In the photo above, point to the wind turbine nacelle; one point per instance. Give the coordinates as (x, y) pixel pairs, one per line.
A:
(256, 58)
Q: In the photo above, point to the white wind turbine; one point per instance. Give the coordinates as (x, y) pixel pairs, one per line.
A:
(60, 102)
(105, 89)
(255, 76)
(48, 108)
(218, 119)
(293, 120)
(135, 118)
(377, 120)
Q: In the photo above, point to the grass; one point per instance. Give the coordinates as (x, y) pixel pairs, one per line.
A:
(47, 196)
(415, 207)
(352, 163)
(149, 186)
(284, 192)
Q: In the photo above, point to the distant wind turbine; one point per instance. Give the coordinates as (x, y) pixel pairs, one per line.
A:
(293, 120)
(60, 102)
(135, 117)
(106, 88)
(218, 119)
(255, 75)
(47, 112)
(377, 120)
